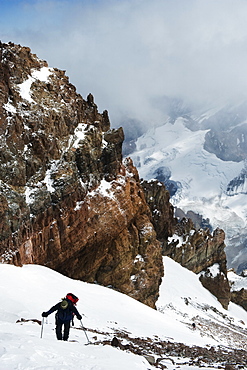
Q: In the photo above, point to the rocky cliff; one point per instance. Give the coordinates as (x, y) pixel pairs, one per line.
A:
(198, 250)
(68, 201)
(240, 297)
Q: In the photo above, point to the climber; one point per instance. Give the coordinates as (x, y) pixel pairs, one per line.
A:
(65, 311)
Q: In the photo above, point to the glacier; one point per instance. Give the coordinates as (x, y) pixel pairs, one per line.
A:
(198, 180)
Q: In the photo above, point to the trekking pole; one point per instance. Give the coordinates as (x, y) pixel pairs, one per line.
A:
(85, 331)
(42, 325)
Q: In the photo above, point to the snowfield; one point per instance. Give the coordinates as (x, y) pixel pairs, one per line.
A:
(178, 153)
(29, 290)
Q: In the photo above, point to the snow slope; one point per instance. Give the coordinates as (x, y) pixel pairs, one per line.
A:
(202, 178)
(180, 149)
(27, 291)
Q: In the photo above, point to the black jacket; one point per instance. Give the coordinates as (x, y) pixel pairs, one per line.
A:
(65, 314)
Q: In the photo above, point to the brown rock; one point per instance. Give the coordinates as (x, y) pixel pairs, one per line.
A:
(158, 199)
(197, 250)
(67, 200)
(240, 297)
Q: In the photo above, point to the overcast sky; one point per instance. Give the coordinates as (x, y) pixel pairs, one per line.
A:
(131, 53)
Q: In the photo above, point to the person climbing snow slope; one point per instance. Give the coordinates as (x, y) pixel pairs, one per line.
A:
(65, 312)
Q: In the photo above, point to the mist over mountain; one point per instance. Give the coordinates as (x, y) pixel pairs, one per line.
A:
(130, 54)
(201, 158)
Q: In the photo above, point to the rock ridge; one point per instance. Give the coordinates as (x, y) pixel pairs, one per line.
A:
(198, 250)
(68, 200)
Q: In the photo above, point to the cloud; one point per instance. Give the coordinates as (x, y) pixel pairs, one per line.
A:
(131, 53)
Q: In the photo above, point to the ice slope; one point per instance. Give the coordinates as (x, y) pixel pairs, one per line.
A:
(202, 177)
(27, 291)
(183, 298)
(180, 149)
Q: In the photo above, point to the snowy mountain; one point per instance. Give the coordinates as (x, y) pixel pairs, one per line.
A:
(149, 339)
(201, 157)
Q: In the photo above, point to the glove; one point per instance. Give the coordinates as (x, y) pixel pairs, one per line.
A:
(44, 314)
(79, 317)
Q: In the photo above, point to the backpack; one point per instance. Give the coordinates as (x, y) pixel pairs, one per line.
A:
(73, 298)
(64, 312)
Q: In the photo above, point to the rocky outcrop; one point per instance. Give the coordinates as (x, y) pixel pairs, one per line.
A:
(68, 201)
(240, 297)
(158, 199)
(197, 250)
(204, 253)
(238, 284)
(227, 145)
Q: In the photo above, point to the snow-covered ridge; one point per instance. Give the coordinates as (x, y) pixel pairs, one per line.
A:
(25, 87)
(175, 147)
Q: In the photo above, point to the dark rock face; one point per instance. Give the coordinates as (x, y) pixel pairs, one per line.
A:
(197, 250)
(163, 175)
(228, 146)
(238, 184)
(67, 199)
(239, 291)
(157, 197)
(226, 137)
(240, 297)
(198, 221)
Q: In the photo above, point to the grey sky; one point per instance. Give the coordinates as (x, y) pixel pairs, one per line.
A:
(131, 53)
